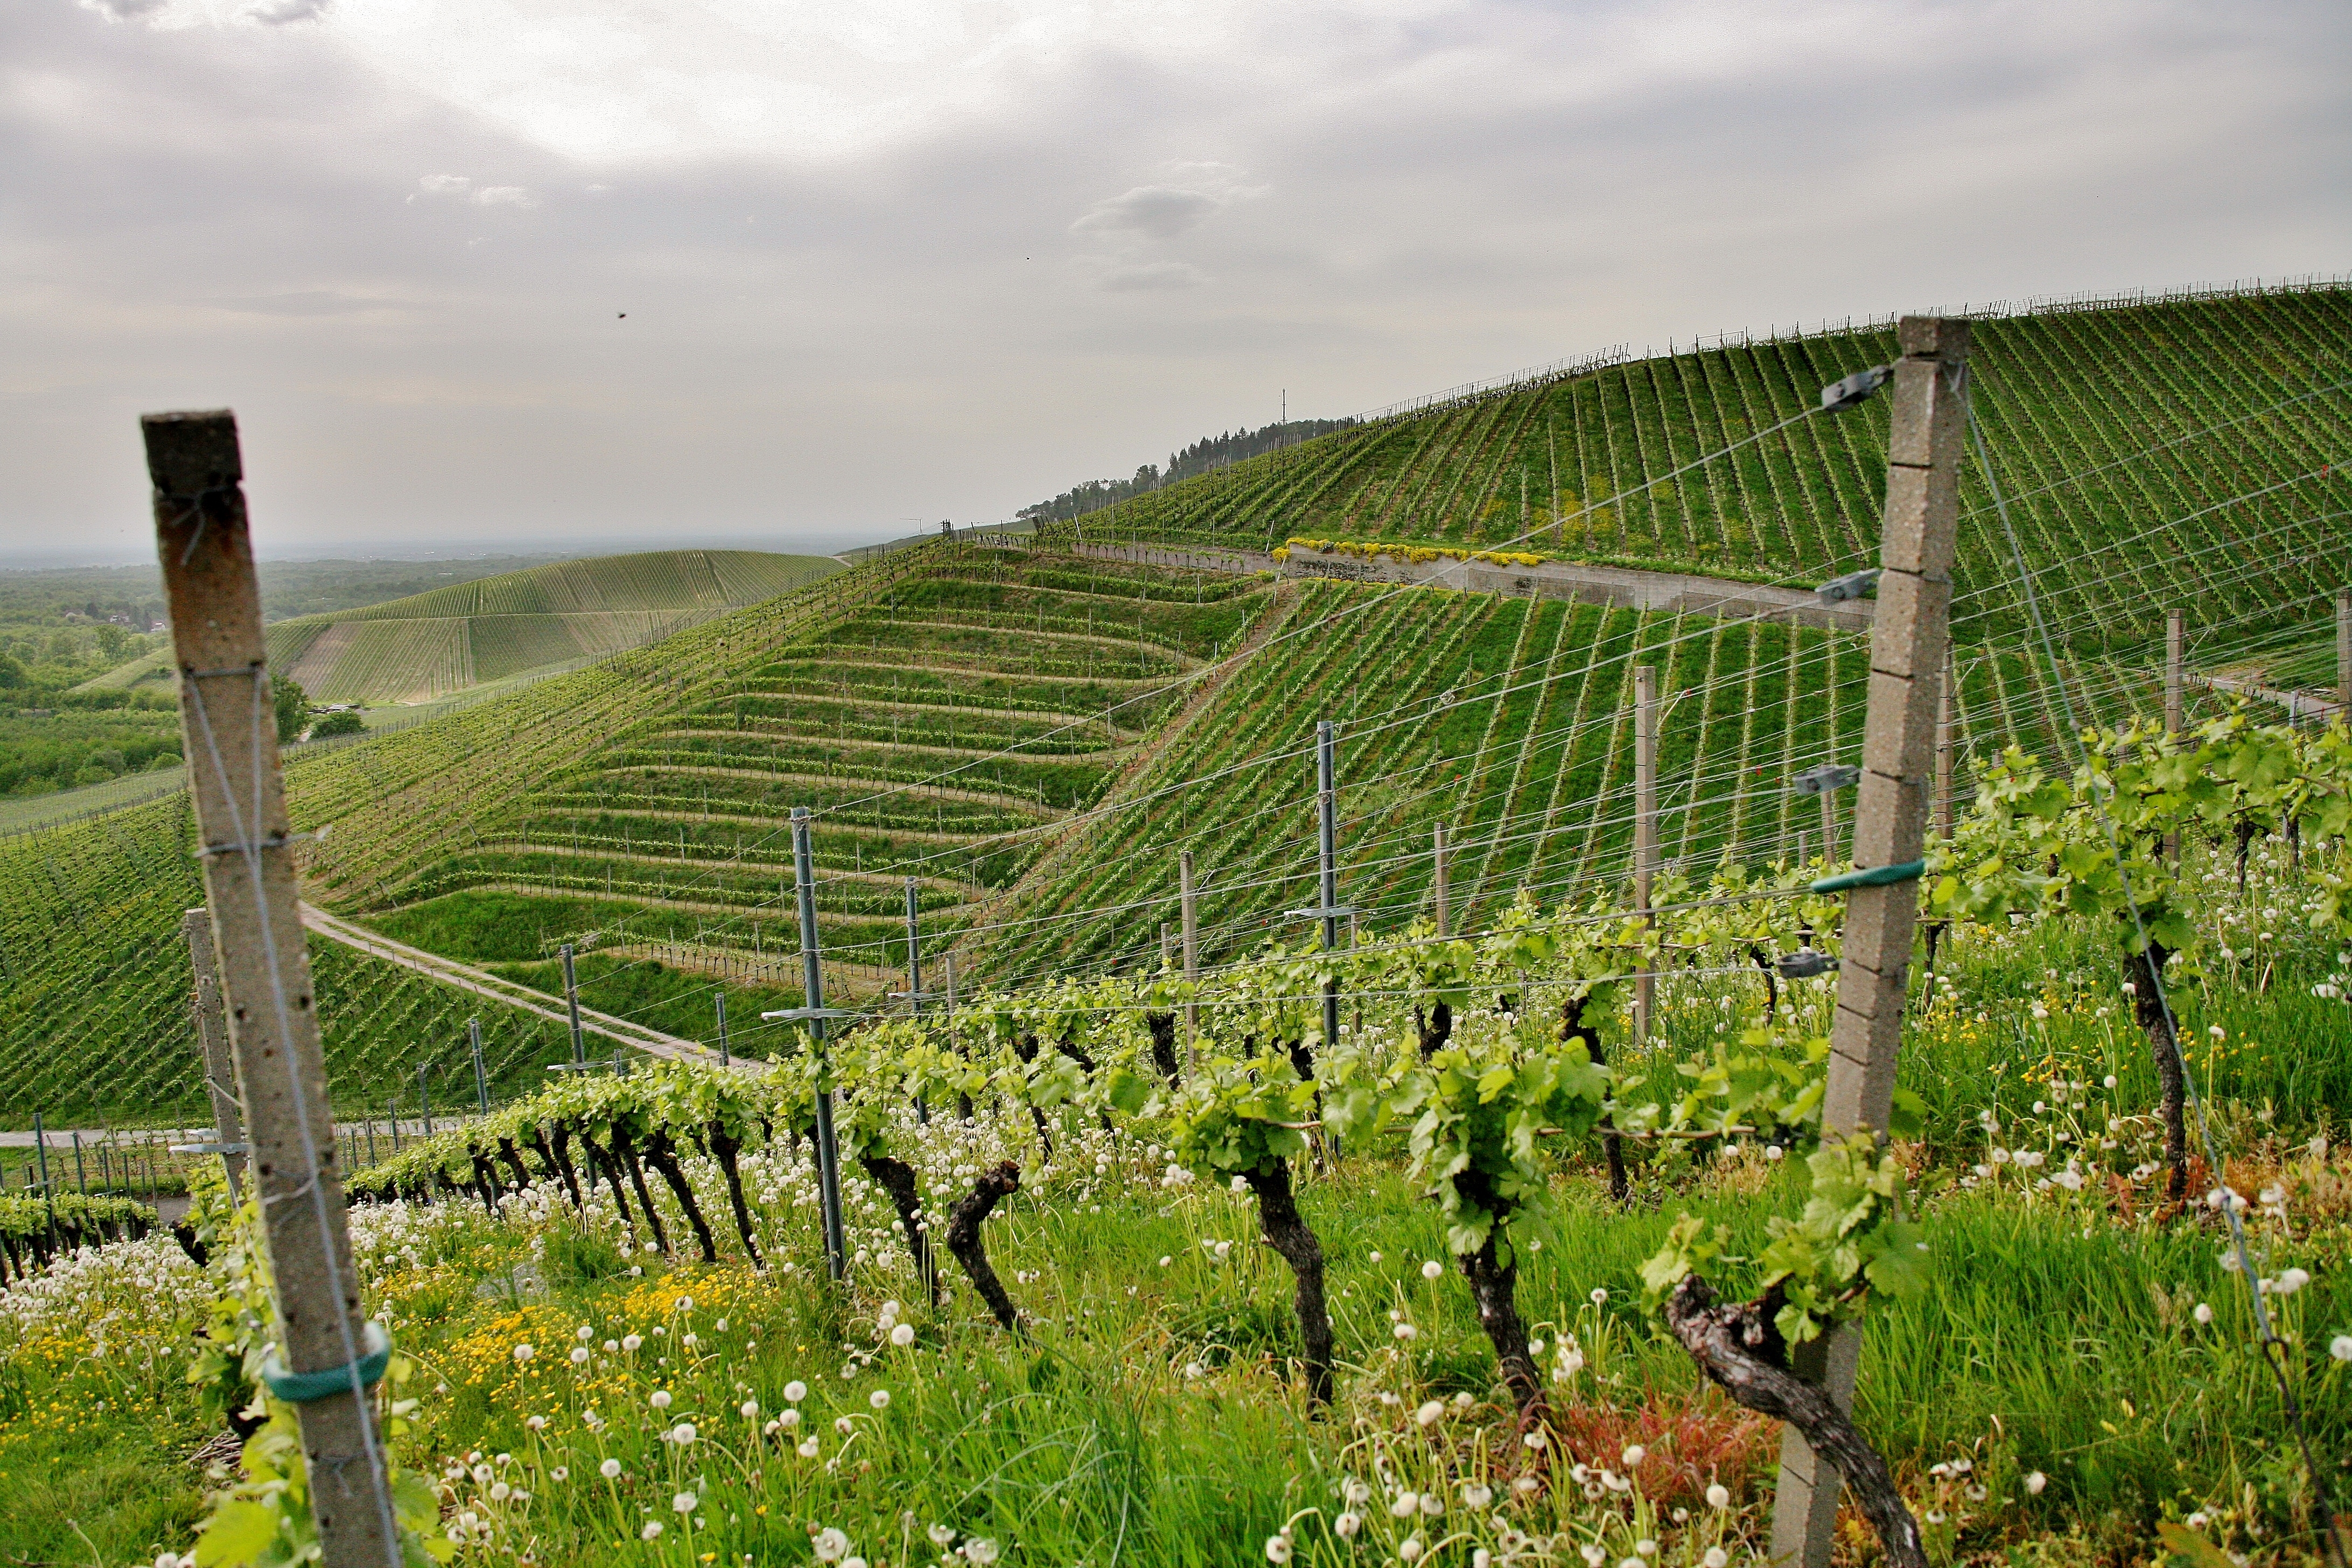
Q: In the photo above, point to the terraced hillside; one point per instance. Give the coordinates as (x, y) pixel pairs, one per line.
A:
(429, 645)
(2105, 426)
(1008, 689)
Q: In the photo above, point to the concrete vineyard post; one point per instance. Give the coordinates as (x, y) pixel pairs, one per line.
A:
(230, 739)
(915, 977)
(1188, 900)
(2344, 653)
(1327, 835)
(212, 1036)
(1909, 636)
(424, 1098)
(81, 1175)
(481, 1078)
(1646, 829)
(572, 1005)
(2176, 648)
(1829, 828)
(719, 1001)
(1445, 888)
(41, 1152)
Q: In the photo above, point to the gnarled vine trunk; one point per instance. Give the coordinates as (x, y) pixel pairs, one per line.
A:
(624, 1150)
(994, 1185)
(896, 1177)
(602, 1162)
(661, 1153)
(1289, 1234)
(1494, 1287)
(513, 1157)
(1736, 1344)
(2155, 1019)
(1164, 1043)
(1433, 1026)
(724, 1148)
(1572, 1026)
(556, 1155)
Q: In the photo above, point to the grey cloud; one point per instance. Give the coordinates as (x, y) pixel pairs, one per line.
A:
(124, 10)
(279, 13)
(1163, 212)
(1154, 275)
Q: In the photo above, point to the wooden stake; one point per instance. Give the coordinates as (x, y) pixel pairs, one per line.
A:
(229, 735)
(1829, 829)
(1909, 636)
(1646, 826)
(212, 1036)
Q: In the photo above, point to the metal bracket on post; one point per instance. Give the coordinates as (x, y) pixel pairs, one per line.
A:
(1909, 636)
(1827, 777)
(1853, 586)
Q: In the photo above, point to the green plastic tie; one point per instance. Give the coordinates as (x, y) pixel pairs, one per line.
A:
(309, 1387)
(1875, 876)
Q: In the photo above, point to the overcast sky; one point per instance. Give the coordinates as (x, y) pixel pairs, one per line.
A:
(886, 260)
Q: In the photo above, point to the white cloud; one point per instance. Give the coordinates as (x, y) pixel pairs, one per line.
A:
(443, 185)
(504, 196)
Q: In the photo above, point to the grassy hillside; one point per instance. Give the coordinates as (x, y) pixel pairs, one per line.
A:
(942, 709)
(427, 645)
(2103, 424)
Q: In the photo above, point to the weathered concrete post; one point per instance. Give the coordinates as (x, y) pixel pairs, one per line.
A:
(1909, 636)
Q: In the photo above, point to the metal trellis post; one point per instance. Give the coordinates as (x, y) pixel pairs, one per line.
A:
(828, 1154)
(230, 737)
(572, 1007)
(1645, 829)
(1909, 634)
(481, 1078)
(1189, 901)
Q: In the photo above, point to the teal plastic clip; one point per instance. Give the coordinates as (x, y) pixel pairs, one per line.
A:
(1875, 876)
(309, 1387)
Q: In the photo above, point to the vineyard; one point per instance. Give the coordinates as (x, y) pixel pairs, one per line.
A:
(2229, 408)
(1167, 1061)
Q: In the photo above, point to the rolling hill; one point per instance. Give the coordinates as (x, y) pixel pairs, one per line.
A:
(430, 645)
(1033, 729)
